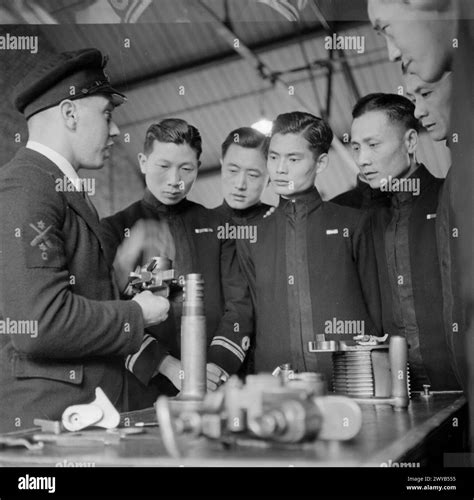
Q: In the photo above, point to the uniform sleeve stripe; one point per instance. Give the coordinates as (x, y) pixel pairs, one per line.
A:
(131, 360)
(229, 347)
(233, 344)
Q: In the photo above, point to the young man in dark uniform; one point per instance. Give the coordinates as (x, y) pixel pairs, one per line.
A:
(244, 175)
(170, 163)
(311, 264)
(55, 277)
(426, 47)
(384, 139)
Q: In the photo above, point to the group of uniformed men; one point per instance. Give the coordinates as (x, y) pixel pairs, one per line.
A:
(379, 255)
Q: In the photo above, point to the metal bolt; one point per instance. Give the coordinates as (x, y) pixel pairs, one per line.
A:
(426, 390)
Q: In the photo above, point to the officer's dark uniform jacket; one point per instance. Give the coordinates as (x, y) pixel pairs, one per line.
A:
(199, 249)
(244, 215)
(410, 281)
(311, 265)
(54, 272)
(362, 196)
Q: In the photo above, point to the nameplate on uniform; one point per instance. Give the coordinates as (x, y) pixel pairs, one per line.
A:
(204, 230)
(431, 216)
(332, 231)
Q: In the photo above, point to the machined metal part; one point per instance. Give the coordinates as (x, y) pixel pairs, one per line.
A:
(100, 413)
(342, 418)
(284, 371)
(352, 373)
(87, 438)
(52, 426)
(193, 340)
(13, 442)
(291, 421)
(359, 343)
(315, 384)
(168, 429)
(157, 276)
(368, 369)
(263, 408)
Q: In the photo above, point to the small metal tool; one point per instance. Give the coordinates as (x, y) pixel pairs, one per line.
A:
(9, 442)
(99, 413)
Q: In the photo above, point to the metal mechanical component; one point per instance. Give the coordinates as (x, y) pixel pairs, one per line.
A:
(12, 442)
(264, 408)
(87, 438)
(285, 371)
(426, 391)
(167, 427)
(369, 370)
(100, 413)
(313, 383)
(157, 276)
(193, 340)
(52, 426)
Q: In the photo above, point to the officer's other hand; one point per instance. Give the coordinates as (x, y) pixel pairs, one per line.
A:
(155, 308)
(216, 376)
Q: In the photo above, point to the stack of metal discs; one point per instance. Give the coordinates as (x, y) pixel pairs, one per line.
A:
(353, 375)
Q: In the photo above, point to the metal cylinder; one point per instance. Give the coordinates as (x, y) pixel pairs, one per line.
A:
(398, 354)
(312, 382)
(236, 418)
(193, 340)
(291, 422)
(353, 374)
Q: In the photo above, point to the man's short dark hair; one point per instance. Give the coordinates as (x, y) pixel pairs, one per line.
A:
(173, 130)
(398, 109)
(246, 137)
(315, 130)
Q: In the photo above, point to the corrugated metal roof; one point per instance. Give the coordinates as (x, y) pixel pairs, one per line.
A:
(221, 97)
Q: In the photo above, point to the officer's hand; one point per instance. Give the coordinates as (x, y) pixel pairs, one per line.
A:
(216, 376)
(170, 367)
(154, 308)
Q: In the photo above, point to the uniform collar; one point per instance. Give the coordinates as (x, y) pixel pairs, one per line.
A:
(243, 213)
(425, 178)
(156, 205)
(58, 159)
(371, 196)
(310, 199)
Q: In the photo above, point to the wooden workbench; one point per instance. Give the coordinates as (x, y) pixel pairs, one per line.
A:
(420, 435)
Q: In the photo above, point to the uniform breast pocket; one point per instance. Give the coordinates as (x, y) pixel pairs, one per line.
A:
(26, 368)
